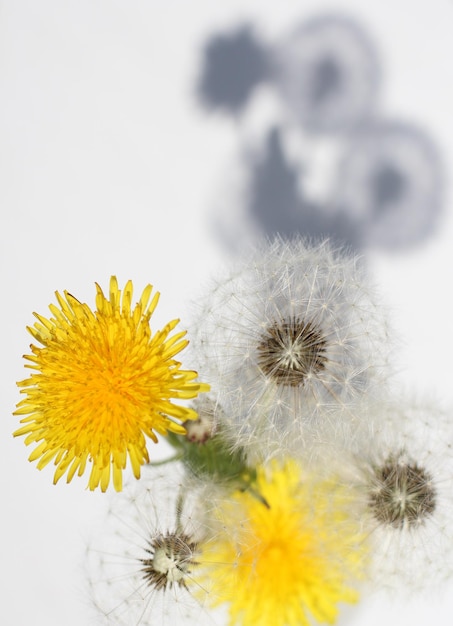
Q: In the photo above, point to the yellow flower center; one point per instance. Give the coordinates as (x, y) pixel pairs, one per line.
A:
(290, 562)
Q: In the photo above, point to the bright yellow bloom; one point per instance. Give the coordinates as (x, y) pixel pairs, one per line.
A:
(293, 561)
(100, 383)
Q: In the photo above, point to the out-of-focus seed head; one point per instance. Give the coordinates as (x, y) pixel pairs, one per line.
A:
(404, 494)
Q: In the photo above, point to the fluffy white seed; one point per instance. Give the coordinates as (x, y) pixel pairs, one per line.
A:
(289, 339)
(402, 478)
(142, 565)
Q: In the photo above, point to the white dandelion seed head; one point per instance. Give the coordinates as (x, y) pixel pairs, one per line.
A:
(403, 477)
(292, 336)
(142, 567)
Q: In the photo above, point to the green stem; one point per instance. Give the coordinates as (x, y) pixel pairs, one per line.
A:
(177, 457)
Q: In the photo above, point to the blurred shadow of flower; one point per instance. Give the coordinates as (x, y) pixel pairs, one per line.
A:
(232, 67)
(387, 187)
(278, 205)
(328, 73)
(390, 183)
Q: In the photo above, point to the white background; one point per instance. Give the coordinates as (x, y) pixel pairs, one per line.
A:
(108, 166)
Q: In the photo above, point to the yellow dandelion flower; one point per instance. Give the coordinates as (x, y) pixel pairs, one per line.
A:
(293, 561)
(102, 381)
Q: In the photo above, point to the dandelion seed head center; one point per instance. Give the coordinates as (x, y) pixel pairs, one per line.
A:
(168, 564)
(404, 494)
(171, 560)
(290, 350)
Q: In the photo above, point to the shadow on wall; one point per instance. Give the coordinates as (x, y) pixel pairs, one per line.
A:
(387, 185)
(233, 65)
